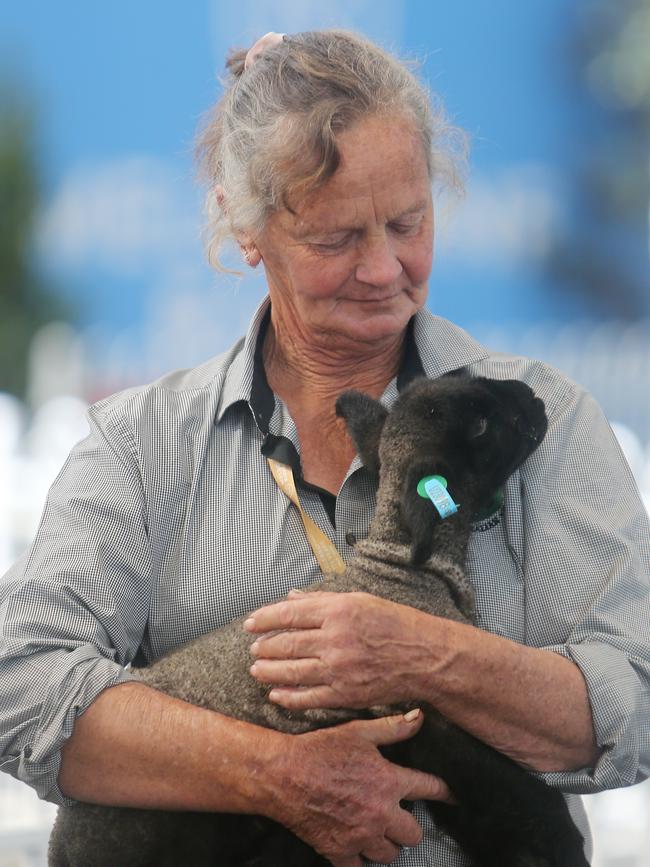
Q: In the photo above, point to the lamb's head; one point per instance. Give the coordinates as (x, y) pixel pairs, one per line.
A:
(474, 432)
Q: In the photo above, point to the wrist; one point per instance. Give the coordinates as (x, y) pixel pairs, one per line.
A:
(435, 664)
(260, 779)
(276, 790)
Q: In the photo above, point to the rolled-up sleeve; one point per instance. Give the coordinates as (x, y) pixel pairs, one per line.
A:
(587, 568)
(73, 609)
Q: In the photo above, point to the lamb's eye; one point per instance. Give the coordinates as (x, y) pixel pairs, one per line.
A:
(479, 428)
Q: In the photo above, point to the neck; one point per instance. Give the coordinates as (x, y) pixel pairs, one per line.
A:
(311, 376)
(450, 535)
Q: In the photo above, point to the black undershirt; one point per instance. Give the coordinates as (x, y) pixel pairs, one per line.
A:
(262, 402)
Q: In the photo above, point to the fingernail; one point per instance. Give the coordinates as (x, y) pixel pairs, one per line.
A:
(412, 714)
(295, 592)
(249, 623)
(253, 668)
(255, 646)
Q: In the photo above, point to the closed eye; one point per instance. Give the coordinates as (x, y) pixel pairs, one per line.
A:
(336, 243)
(481, 427)
(406, 228)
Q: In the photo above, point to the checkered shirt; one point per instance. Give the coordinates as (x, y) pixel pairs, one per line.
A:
(165, 523)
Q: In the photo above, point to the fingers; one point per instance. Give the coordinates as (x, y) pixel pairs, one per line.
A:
(287, 645)
(290, 672)
(354, 861)
(389, 729)
(415, 785)
(404, 829)
(306, 698)
(300, 612)
(384, 851)
(418, 786)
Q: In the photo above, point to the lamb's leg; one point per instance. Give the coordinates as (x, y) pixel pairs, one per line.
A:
(236, 840)
(283, 849)
(88, 835)
(505, 816)
(93, 836)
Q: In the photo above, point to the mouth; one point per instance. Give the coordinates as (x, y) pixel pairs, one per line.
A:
(379, 299)
(535, 425)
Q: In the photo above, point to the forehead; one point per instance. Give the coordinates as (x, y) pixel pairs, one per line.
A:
(382, 173)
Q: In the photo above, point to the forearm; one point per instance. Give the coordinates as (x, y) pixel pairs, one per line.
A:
(138, 747)
(357, 650)
(528, 703)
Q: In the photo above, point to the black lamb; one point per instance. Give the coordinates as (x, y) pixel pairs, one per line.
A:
(475, 433)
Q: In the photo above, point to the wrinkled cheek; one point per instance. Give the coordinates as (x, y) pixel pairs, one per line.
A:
(419, 292)
(326, 284)
(419, 269)
(425, 268)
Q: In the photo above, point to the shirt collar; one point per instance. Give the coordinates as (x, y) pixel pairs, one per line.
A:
(242, 374)
(443, 346)
(434, 346)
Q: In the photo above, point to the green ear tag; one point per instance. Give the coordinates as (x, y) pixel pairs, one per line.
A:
(422, 491)
(440, 497)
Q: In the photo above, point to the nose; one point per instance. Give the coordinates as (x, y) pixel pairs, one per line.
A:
(378, 265)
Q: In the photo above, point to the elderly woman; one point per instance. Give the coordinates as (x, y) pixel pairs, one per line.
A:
(166, 521)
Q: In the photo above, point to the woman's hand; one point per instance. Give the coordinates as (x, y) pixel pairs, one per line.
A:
(342, 797)
(355, 650)
(340, 650)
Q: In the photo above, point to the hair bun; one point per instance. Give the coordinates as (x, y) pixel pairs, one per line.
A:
(241, 59)
(269, 40)
(236, 61)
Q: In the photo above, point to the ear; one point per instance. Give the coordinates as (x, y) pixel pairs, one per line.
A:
(246, 244)
(419, 516)
(249, 251)
(365, 419)
(220, 196)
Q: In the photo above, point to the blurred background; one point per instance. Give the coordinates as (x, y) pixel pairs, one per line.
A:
(102, 276)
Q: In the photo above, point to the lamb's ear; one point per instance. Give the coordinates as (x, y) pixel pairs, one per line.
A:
(365, 419)
(419, 516)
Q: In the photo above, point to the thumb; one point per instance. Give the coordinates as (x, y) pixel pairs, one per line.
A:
(389, 729)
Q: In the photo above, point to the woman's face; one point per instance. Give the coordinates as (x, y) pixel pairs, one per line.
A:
(352, 263)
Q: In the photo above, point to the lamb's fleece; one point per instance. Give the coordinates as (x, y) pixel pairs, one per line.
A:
(475, 433)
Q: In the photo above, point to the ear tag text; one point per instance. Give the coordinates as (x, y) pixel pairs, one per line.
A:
(434, 488)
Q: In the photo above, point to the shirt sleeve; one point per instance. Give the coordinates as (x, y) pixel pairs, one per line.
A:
(73, 609)
(587, 574)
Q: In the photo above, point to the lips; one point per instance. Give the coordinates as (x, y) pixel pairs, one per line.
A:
(378, 299)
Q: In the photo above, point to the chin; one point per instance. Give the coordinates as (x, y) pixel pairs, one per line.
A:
(370, 321)
(373, 329)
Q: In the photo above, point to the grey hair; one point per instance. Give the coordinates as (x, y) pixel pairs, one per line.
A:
(272, 136)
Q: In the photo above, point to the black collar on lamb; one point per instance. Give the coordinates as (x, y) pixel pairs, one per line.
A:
(475, 432)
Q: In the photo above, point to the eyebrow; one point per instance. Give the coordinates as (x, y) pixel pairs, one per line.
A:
(310, 230)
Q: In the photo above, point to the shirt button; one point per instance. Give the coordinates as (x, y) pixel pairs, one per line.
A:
(351, 539)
